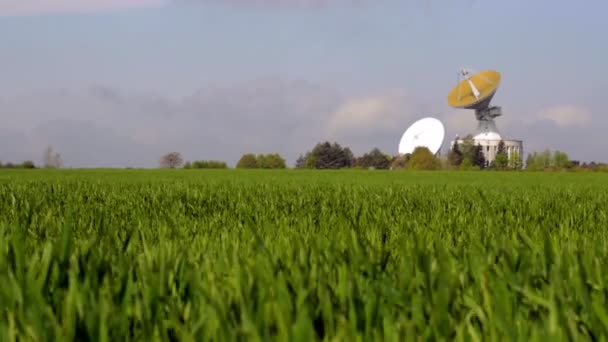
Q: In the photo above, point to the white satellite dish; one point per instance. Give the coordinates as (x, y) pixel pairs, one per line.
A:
(426, 132)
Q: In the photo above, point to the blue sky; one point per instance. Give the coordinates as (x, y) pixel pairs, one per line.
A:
(113, 86)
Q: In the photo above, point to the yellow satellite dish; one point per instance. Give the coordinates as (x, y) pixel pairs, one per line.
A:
(475, 92)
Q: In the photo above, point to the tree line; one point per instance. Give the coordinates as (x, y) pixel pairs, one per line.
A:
(326, 155)
(464, 156)
(51, 160)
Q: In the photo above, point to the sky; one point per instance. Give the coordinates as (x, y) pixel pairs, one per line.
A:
(119, 83)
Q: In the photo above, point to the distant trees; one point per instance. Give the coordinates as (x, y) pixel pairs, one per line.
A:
(467, 155)
(455, 156)
(400, 161)
(271, 161)
(591, 166)
(515, 162)
(28, 164)
(423, 159)
(171, 160)
(327, 155)
(247, 161)
(261, 161)
(205, 164)
(52, 159)
(501, 161)
(374, 159)
(546, 160)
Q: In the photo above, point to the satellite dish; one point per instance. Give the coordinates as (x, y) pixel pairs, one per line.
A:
(475, 92)
(426, 132)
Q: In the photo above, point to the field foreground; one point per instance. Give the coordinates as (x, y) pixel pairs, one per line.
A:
(196, 255)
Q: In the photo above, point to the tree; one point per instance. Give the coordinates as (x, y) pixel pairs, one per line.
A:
(374, 159)
(171, 160)
(247, 161)
(271, 161)
(52, 160)
(501, 161)
(531, 162)
(206, 164)
(467, 164)
(561, 160)
(329, 156)
(515, 161)
(400, 161)
(423, 159)
(468, 147)
(301, 161)
(28, 164)
(479, 159)
(455, 156)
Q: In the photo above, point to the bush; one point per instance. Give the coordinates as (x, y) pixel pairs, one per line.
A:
(423, 159)
(247, 161)
(206, 164)
(271, 161)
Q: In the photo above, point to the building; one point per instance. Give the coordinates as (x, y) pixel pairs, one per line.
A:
(489, 144)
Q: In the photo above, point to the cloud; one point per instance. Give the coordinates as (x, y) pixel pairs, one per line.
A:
(373, 114)
(375, 120)
(105, 126)
(276, 3)
(566, 116)
(29, 7)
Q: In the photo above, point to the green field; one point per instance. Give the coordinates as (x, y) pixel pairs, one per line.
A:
(289, 255)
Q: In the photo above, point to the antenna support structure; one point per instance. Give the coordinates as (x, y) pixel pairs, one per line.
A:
(475, 91)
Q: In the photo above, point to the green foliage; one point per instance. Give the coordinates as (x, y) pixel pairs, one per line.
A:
(247, 161)
(28, 164)
(467, 165)
(501, 161)
(423, 159)
(157, 255)
(374, 159)
(400, 161)
(206, 164)
(472, 153)
(455, 156)
(327, 156)
(561, 160)
(271, 161)
(515, 162)
(479, 159)
(547, 161)
(261, 161)
(592, 166)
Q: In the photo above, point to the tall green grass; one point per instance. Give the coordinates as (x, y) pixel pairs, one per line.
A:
(218, 255)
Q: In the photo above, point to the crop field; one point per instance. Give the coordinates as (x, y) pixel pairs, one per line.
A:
(221, 255)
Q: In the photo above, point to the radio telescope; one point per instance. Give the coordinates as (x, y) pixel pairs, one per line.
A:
(476, 92)
(426, 132)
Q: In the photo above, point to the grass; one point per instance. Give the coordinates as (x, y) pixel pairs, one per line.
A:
(302, 255)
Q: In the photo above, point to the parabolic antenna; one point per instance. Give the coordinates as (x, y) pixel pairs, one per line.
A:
(426, 132)
(476, 91)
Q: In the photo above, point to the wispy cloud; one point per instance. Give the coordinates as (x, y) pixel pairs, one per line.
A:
(566, 116)
(275, 3)
(31, 7)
